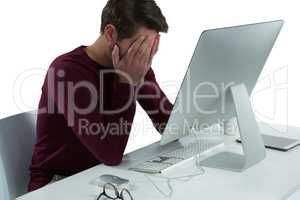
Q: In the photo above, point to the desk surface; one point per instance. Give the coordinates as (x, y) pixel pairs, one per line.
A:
(271, 179)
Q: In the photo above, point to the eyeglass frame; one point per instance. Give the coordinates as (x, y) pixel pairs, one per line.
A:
(119, 195)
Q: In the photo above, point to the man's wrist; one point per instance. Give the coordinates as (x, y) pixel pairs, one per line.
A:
(130, 82)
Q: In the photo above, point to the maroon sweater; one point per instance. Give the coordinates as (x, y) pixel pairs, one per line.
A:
(70, 140)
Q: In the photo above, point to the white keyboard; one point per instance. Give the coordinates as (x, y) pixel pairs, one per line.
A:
(166, 160)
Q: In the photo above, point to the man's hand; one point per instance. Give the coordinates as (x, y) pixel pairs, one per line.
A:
(137, 61)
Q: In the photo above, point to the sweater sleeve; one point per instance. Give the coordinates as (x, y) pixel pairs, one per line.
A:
(154, 101)
(107, 134)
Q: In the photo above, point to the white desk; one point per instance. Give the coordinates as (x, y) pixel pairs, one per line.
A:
(271, 179)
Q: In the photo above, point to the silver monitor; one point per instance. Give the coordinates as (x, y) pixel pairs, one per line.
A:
(223, 71)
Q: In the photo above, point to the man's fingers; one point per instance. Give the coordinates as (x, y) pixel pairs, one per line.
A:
(116, 56)
(157, 44)
(145, 51)
(153, 52)
(154, 48)
(135, 47)
(149, 50)
(145, 47)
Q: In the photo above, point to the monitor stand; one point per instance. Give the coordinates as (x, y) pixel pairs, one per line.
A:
(252, 142)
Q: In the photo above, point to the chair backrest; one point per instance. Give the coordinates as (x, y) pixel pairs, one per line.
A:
(17, 138)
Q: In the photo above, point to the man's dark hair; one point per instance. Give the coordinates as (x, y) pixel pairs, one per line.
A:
(128, 15)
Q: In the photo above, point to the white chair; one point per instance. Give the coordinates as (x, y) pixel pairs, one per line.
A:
(17, 138)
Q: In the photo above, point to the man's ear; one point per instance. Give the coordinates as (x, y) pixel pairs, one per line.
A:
(111, 35)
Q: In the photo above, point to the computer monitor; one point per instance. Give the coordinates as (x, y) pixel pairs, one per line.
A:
(222, 73)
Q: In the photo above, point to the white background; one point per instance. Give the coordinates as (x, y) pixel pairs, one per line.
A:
(34, 32)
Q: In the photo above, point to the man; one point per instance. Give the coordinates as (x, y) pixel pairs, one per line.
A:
(89, 96)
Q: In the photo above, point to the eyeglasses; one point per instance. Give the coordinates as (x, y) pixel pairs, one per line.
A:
(111, 192)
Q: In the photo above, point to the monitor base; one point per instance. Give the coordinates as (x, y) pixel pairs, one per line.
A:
(252, 142)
